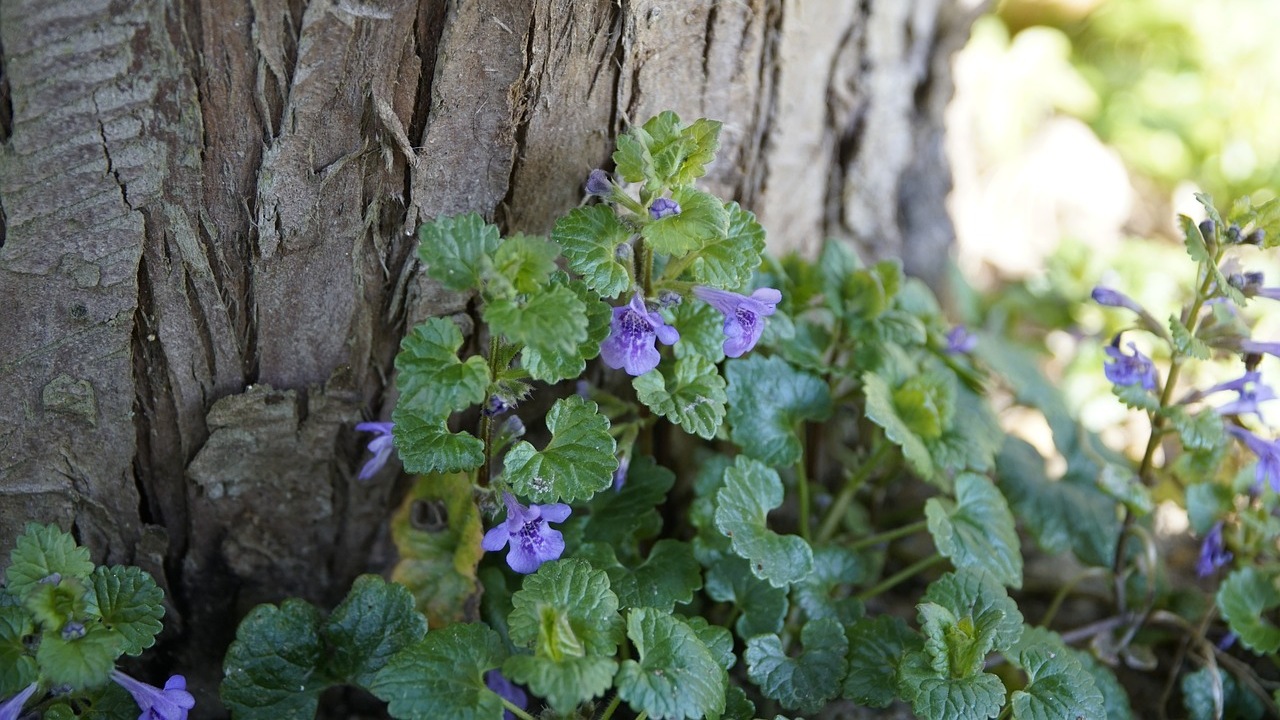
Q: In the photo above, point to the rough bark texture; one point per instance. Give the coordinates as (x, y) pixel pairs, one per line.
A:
(206, 218)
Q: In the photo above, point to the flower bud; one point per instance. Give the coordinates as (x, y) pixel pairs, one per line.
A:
(1233, 234)
(598, 183)
(663, 207)
(623, 254)
(1206, 230)
(669, 298)
(73, 631)
(1256, 237)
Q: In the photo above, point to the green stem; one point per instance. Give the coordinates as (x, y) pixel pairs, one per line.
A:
(906, 573)
(889, 535)
(515, 709)
(644, 256)
(613, 705)
(486, 422)
(675, 267)
(835, 513)
(642, 716)
(1062, 593)
(802, 489)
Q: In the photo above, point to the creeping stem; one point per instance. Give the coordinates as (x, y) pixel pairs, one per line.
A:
(906, 573)
(515, 709)
(486, 422)
(831, 521)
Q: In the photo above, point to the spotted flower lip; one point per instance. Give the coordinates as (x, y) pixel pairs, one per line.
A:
(1132, 369)
(171, 703)
(10, 709)
(1213, 552)
(532, 541)
(381, 446)
(743, 315)
(1268, 453)
(632, 336)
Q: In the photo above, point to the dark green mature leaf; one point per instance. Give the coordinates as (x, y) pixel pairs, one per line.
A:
(554, 365)
(827, 591)
(751, 489)
(590, 237)
(876, 647)
(17, 664)
(620, 518)
(431, 378)
(526, 261)
(41, 551)
(375, 621)
(1236, 702)
(937, 696)
(271, 670)
(425, 444)
(454, 249)
(106, 702)
(728, 261)
(668, 576)
(717, 639)
(1058, 685)
(702, 219)
(804, 682)
(976, 529)
(676, 675)
(552, 321)
(690, 394)
(577, 463)
(1244, 597)
(130, 603)
(762, 606)
(1114, 697)
(442, 676)
(767, 399)
(81, 663)
(701, 331)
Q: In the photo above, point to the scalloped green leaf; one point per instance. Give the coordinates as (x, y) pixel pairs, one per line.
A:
(437, 531)
(762, 608)
(633, 159)
(751, 489)
(717, 639)
(454, 249)
(1244, 597)
(621, 518)
(130, 603)
(431, 378)
(689, 394)
(271, 671)
(589, 237)
(1058, 686)
(828, 591)
(876, 648)
(702, 140)
(728, 261)
(701, 330)
(1114, 697)
(964, 616)
(882, 411)
(553, 320)
(526, 262)
(551, 365)
(17, 664)
(676, 675)
(668, 576)
(935, 696)
(1184, 342)
(976, 529)
(425, 444)
(442, 676)
(1237, 703)
(577, 463)
(803, 682)
(970, 444)
(1197, 431)
(41, 551)
(53, 605)
(376, 620)
(767, 399)
(81, 663)
(702, 219)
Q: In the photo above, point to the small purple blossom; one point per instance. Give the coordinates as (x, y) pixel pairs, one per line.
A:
(381, 446)
(743, 316)
(663, 207)
(507, 690)
(10, 709)
(1114, 298)
(1268, 453)
(960, 341)
(532, 541)
(1250, 391)
(620, 475)
(632, 334)
(598, 183)
(1213, 552)
(171, 703)
(1253, 346)
(1132, 369)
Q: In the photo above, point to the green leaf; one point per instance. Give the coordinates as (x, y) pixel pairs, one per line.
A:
(272, 667)
(701, 330)
(976, 529)
(437, 532)
(827, 591)
(668, 146)
(53, 606)
(526, 261)
(442, 676)
(454, 249)
(1121, 484)
(81, 663)
(876, 647)
(737, 706)
(632, 158)
(1193, 240)
(702, 140)
(803, 682)
(676, 675)
(1198, 431)
(751, 489)
(577, 463)
(717, 639)
(590, 237)
(556, 364)
(728, 261)
(1115, 698)
(1184, 342)
(762, 607)
(1244, 598)
(690, 395)
(374, 622)
(702, 219)
(17, 664)
(130, 603)
(551, 321)
(971, 443)
(934, 696)
(431, 378)
(1236, 702)
(425, 444)
(668, 576)
(767, 399)
(971, 616)
(1058, 686)
(107, 702)
(621, 518)
(882, 411)
(41, 551)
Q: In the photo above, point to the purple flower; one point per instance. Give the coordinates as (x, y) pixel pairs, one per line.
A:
(1250, 391)
(743, 316)
(960, 341)
(1114, 298)
(380, 446)
(663, 207)
(620, 475)
(598, 183)
(507, 690)
(171, 703)
(1213, 552)
(11, 708)
(632, 332)
(532, 542)
(1253, 346)
(1129, 369)
(1268, 452)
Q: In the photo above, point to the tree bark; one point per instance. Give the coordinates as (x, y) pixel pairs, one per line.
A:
(206, 232)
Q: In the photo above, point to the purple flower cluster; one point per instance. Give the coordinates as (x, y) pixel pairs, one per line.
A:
(743, 315)
(532, 541)
(1213, 552)
(1268, 453)
(1124, 370)
(381, 446)
(171, 703)
(632, 334)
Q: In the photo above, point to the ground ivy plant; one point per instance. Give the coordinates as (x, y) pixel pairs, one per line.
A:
(718, 518)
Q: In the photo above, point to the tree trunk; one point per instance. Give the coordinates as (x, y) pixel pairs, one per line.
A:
(206, 232)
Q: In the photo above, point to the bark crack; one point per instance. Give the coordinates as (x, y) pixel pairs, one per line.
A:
(106, 153)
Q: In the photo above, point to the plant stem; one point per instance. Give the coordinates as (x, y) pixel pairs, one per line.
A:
(802, 490)
(889, 535)
(903, 574)
(486, 422)
(835, 513)
(1062, 595)
(613, 705)
(515, 709)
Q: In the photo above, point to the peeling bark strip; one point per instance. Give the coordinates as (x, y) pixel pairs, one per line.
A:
(203, 200)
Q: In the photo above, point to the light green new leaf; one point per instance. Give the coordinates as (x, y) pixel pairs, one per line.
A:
(130, 603)
(437, 532)
(702, 219)
(526, 261)
(964, 616)
(442, 676)
(1245, 596)
(804, 682)
(690, 395)
(976, 529)
(676, 675)
(82, 663)
(41, 551)
(553, 364)
(425, 444)
(937, 696)
(668, 576)
(728, 261)
(564, 683)
(1198, 431)
(883, 411)
(751, 489)
(1184, 342)
(876, 647)
(552, 321)
(271, 671)
(577, 463)
(589, 237)
(668, 145)
(454, 249)
(375, 621)
(633, 159)
(767, 399)
(762, 607)
(17, 664)
(702, 140)
(431, 378)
